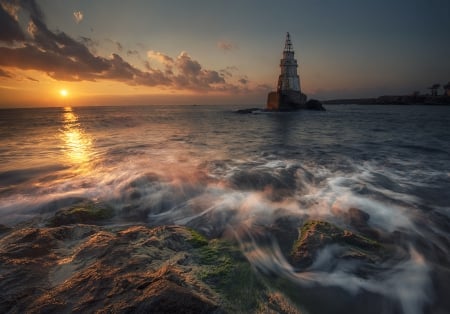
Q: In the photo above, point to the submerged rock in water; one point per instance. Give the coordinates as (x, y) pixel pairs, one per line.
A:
(248, 110)
(314, 104)
(86, 212)
(316, 235)
(4, 229)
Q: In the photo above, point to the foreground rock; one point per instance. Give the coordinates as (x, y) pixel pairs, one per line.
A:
(89, 268)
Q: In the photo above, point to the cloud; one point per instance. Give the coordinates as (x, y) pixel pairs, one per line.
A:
(64, 58)
(187, 73)
(228, 71)
(132, 52)
(160, 57)
(4, 73)
(55, 64)
(9, 26)
(78, 16)
(11, 8)
(243, 81)
(31, 79)
(147, 65)
(188, 66)
(191, 74)
(118, 45)
(264, 87)
(89, 43)
(226, 45)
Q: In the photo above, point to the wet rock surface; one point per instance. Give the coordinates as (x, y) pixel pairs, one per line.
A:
(85, 212)
(314, 104)
(64, 265)
(128, 269)
(316, 235)
(248, 110)
(3, 229)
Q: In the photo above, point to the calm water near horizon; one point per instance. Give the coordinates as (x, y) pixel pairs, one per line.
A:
(227, 174)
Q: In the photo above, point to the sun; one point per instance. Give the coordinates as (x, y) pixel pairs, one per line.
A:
(63, 92)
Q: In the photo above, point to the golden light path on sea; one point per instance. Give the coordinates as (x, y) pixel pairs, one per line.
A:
(77, 144)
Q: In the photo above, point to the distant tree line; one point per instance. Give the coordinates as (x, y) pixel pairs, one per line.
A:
(435, 90)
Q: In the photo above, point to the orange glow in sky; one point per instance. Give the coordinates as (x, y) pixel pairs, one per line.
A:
(48, 58)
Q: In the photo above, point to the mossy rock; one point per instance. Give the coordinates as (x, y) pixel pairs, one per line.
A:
(223, 267)
(197, 239)
(316, 234)
(86, 213)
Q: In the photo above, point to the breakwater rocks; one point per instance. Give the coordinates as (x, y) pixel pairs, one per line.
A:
(311, 104)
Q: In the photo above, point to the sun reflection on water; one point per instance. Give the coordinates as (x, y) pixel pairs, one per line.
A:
(77, 144)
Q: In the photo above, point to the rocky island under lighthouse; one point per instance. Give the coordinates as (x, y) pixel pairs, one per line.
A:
(289, 96)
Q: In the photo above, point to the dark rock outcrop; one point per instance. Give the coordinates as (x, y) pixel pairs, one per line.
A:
(247, 111)
(4, 229)
(85, 212)
(358, 220)
(291, 101)
(316, 235)
(285, 104)
(314, 104)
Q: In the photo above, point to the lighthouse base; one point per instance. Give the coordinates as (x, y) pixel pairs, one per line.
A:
(291, 101)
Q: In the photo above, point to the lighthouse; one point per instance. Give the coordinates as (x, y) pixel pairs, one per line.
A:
(288, 79)
(289, 96)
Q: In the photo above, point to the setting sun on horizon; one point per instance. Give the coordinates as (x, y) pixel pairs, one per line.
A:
(64, 93)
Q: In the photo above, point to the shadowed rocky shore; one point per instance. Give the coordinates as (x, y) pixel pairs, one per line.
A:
(70, 266)
(78, 261)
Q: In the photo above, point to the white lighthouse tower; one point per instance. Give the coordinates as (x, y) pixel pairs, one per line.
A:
(288, 96)
(288, 79)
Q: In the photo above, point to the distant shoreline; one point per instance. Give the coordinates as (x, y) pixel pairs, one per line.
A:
(393, 100)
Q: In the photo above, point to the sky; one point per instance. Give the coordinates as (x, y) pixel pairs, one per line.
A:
(111, 52)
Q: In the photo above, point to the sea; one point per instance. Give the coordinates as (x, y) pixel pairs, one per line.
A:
(228, 175)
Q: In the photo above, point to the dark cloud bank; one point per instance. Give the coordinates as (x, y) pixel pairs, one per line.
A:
(64, 58)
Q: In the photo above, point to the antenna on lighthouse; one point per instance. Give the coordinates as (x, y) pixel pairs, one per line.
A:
(288, 43)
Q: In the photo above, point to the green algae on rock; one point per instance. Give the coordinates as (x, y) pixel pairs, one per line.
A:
(86, 212)
(315, 235)
(227, 271)
(91, 268)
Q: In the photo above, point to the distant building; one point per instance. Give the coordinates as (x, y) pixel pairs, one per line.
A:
(434, 89)
(447, 89)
